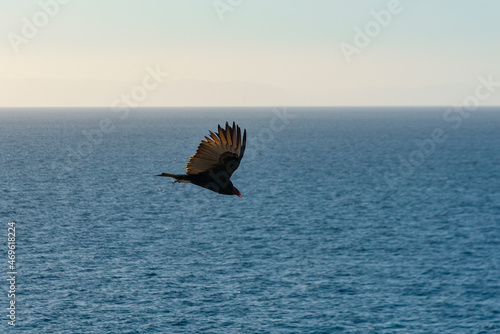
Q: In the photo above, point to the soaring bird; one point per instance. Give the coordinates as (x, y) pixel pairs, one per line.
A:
(215, 161)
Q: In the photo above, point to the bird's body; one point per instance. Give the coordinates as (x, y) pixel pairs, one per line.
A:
(215, 161)
(204, 180)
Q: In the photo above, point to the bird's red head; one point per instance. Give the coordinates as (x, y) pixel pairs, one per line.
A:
(236, 192)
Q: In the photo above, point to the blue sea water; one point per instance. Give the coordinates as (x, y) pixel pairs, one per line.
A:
(353, 220)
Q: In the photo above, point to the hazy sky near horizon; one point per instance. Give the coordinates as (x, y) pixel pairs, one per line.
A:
(247, 52)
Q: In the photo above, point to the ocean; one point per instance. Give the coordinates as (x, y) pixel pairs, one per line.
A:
(352, 220)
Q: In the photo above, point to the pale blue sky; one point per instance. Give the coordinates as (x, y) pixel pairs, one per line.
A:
(263, 52)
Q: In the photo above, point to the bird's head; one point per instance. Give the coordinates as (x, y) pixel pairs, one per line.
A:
(236, 192)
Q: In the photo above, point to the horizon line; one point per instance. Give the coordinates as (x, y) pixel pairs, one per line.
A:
(252, 106)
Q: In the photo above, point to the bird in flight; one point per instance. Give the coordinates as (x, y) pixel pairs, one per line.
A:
(215, 161)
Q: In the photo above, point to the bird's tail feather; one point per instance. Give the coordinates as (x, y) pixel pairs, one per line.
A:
(179, 178)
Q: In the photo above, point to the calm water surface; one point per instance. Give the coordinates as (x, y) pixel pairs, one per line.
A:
(351, 221)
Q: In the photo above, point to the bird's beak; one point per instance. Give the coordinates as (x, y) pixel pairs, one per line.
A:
(236, 192)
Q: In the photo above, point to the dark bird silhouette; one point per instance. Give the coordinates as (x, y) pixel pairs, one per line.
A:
(215, 161)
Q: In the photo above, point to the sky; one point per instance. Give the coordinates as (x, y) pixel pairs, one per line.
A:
(85, 53)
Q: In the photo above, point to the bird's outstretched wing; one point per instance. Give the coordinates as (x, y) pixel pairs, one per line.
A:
(219, 152)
